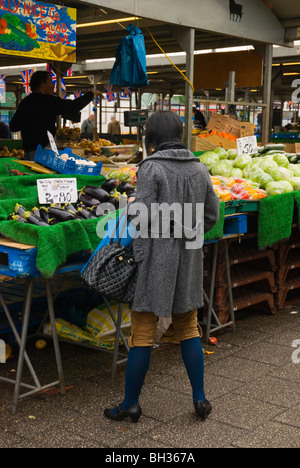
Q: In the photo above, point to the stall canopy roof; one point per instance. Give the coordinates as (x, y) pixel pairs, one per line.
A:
(99, 42)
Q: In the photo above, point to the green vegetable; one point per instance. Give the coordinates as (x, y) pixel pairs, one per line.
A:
(232, 153)
(281, 160)
(236, 173)
(295, 168)
(242, 161)
(295, 182)
(267, 164)
(260, 177)
(281, 173)
(209, 158)
(222, 168)
(221, 152)
(279, 187)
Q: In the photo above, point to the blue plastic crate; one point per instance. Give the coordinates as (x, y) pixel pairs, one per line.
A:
(48, 158)
(235, 224)
(18, 263)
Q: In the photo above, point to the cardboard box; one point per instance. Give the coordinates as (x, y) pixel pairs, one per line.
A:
(224, 123)
(202, 144)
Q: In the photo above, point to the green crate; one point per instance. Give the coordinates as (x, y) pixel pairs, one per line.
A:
(247, 205)
(231, 206)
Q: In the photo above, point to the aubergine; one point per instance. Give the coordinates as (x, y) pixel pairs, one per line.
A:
(85, 213)
(70, 207)
(32, 219)
(19, 210)
(52, 221)
(60, 214)
(87, 200)
(109, 185)
(36, 212)
(125, 187)
(44, 214)
(15, 217)
(96, 192)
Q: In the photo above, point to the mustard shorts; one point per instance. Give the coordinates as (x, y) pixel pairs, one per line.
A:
(143, 328)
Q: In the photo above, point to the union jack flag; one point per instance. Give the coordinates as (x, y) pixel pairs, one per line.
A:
(26, 76)
(126, 92)
(69, 72)
(110, 96)
(63, 85)
(77, 94)
(53, 76)
(2, 87)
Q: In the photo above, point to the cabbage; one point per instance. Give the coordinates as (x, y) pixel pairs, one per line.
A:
(267, 164)
(236, 173)
(222, 168)
(295, 168)
(221, 152)
(279, 187)
(262, 178)
(281, 160)
(249, 168)
(295, 182)
(209, 158)
(281, 173)
(242, 161)
(232, 153)
(259, 176)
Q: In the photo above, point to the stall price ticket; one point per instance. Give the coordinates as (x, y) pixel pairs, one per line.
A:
(57, 190)
(247, 145)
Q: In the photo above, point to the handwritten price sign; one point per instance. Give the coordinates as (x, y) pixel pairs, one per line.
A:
(247, 145)
(57, 190)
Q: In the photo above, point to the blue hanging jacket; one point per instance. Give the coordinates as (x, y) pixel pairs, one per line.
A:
(130, 66)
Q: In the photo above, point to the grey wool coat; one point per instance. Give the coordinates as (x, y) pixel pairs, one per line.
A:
(170, 275)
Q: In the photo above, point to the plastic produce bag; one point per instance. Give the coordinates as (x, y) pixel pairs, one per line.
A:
(130, 66)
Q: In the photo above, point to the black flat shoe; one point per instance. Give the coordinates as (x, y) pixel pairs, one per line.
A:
(134, 412)
(203, 409)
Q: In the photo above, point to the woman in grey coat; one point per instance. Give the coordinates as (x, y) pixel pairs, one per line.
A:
(175, 205)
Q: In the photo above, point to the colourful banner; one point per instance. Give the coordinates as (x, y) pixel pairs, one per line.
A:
(37, 29)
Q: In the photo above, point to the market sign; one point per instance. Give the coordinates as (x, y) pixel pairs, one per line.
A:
(37, 29)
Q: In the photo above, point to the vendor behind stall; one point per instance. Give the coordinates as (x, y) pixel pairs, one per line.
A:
(37, 112)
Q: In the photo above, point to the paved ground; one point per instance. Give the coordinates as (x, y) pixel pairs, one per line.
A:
(251, 381)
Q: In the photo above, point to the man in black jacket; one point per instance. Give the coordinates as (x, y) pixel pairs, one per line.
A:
(37, 112)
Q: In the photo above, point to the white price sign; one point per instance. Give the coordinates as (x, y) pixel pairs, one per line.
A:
(52, 142)
(57, 190)
(247, 145)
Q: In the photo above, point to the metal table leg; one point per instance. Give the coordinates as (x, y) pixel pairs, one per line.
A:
(119, 334)
(22, 344)
(211, 291)
(211, 312)
(28, 299)
(55, 338)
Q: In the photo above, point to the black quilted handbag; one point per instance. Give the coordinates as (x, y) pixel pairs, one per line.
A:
(112, 271)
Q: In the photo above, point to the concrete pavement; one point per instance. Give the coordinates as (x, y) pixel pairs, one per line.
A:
(251, 381)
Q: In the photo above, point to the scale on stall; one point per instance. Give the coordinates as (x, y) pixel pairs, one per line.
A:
(137, 118)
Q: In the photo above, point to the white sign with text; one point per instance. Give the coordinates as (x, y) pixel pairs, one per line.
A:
(247, 145)
(57, 190)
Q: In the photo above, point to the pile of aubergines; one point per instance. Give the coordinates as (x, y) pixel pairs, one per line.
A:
(93, 202)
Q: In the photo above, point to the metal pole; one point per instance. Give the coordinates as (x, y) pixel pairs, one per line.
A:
(188, 89)
(267, 83)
